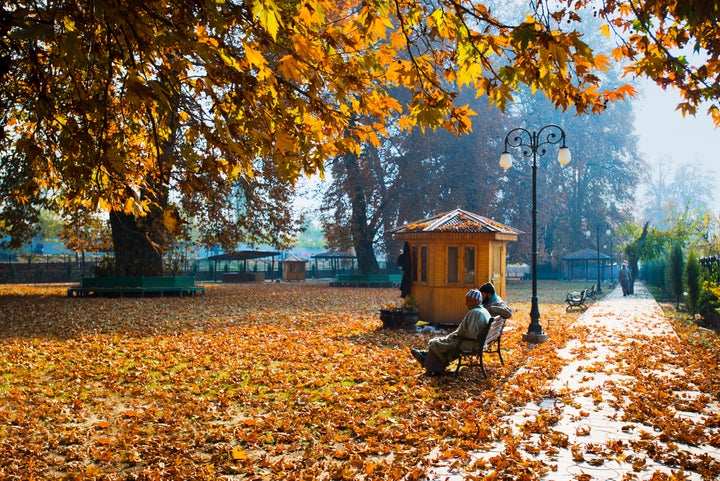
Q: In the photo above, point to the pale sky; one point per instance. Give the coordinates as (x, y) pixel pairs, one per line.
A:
(664, 132)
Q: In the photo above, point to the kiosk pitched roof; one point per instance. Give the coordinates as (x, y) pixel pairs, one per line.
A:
(457, 220)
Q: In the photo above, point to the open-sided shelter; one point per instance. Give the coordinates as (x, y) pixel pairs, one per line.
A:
(339, 261)
(243, 256)
(583, 264)
(451, 253)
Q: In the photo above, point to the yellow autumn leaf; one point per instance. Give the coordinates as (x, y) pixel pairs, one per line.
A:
(307, 15)
(171, 220)
(267, 13)
(254, 57)
(289, 68)
(605, 30)
(202, 36)
(436, 18)
(104, 205)
(249, 171)
(379, 26)
(469, 73)
(239, 453)
(230, 61)
(602, 62)
(68, 24)
(406, 122)
(130, 205)
(273, 24)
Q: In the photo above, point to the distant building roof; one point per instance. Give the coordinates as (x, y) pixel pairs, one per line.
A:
(585, 255)
(457, 220)
(294, 258)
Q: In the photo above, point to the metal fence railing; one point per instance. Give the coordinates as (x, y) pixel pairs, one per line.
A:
(46, 269)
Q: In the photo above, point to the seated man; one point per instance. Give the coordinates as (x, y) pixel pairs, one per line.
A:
(443, 350)
(494, 303)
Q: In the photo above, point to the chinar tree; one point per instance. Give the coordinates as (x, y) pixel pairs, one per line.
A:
(409, 176)
(137, 110)
(163, 111)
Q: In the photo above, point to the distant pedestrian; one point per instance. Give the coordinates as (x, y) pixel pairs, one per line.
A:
(625, 279)
(405, 263)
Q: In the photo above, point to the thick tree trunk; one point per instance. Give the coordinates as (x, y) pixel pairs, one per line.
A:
(139, 242)
(367, 263)
(135, 254)
(362, 234)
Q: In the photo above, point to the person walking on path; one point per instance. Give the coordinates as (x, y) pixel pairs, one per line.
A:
(444, 350)
(624, 278)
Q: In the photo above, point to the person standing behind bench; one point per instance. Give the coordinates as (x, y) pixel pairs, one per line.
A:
(494, 303)
(444, 350)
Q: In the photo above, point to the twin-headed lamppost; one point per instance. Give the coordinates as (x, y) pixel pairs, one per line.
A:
(533, 144)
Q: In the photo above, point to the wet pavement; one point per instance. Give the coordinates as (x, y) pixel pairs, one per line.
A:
(599, 444)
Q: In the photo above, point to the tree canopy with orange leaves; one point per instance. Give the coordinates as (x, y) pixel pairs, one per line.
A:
(674, 43)
(157, 110)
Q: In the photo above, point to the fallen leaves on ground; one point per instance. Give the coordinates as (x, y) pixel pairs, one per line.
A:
(662, 399)
(260, 381)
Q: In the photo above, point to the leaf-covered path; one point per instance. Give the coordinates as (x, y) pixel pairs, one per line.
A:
(631, 403)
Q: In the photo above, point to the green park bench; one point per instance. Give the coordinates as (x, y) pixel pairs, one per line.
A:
(366, 280)
(136, 287)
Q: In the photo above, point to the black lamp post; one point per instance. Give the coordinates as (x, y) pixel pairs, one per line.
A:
(612, 256)
(599, 226)
(533, 144)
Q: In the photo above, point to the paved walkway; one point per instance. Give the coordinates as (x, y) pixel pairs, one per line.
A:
(599, 441)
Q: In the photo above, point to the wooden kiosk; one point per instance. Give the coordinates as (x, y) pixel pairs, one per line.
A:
(451, 253)
(293, 269)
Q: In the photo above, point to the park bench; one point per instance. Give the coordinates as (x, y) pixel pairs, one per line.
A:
(136, 287)
(591, 291)
(489, 341)
(366, 280)
(576, 299)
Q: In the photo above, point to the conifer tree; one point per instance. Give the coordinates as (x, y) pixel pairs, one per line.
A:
(674, 274)
(693, 282)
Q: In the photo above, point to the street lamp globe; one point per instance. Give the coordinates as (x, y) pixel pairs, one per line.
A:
(505, 160)
(564, 156)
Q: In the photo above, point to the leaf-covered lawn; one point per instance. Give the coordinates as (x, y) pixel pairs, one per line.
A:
(255, 381)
